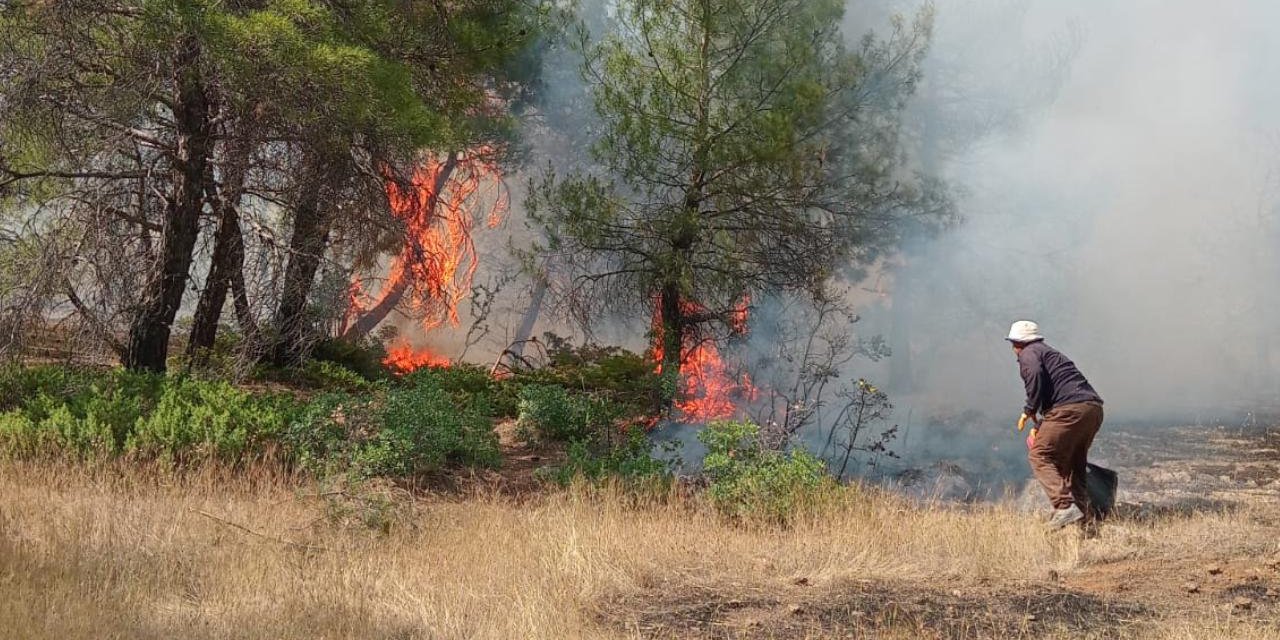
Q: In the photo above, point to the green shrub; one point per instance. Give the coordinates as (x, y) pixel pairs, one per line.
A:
(472, 385)
(19, 384)
(628, 380)
(325, 433)
(364, 357)
(208, 419)
(146, 415)
(327, 375)
(422, 430)
(553, 413)
(548, 412)
(412, 428)
(57, 430)
(398, 432)
(628, 460)
(76, 412)
(751, 483)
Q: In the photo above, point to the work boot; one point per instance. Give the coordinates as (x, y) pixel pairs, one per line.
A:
(1064, 517)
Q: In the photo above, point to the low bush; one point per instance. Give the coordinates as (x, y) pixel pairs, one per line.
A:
(327, 375)
(196, 419)
(408, 430)
(423, 430)
(552, 413)
(415, 426)
(627, 459)
(627, 380)
(324, 435)
(472, 385)
(748, 482)
(19, 384)
(146, 415)
(364, 357)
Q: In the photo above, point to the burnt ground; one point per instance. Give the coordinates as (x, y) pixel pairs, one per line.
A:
(1168, 476)
(1193, 467)
(873, 610)
(1118, 600)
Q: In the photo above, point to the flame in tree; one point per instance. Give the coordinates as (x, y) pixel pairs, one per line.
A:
(439, 207)
(707, 391)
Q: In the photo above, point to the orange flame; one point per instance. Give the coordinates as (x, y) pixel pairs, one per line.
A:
(707, 390)
(433, 272)
(404, 358)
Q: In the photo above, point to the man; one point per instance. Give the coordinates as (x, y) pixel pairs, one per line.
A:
(1070, 414)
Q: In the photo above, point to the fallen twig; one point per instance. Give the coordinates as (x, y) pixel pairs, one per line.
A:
(264, 536)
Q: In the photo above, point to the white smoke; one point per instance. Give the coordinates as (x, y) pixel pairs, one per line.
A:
(1134, 216)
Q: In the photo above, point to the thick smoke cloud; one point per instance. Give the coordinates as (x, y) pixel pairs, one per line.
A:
(1136, 216)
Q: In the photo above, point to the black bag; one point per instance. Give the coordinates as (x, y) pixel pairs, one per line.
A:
(1101, 483)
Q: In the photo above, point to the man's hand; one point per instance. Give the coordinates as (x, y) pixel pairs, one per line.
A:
(1031, 438)
(1022, 422)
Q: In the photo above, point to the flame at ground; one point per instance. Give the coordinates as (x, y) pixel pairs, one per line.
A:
(404, 358)
(707, 390)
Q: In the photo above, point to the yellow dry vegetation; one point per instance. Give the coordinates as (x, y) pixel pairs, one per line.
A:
(114, 553)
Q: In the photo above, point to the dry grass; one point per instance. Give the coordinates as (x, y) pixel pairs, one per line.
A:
(131, 555)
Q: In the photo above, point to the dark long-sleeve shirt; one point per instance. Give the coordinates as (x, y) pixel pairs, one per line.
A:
(1051, 379)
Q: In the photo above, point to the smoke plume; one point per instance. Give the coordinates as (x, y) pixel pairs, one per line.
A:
(1132, 211)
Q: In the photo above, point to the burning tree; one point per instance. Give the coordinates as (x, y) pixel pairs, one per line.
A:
(438, 208)
(744, 150)
(707, 390)
(129, 128)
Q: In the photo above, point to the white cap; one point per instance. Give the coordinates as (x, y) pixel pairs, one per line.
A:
(1024, 331)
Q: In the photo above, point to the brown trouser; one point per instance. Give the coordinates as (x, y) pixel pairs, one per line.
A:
(1060, 450)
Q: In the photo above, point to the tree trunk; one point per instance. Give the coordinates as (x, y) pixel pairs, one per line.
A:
(311, 223)
(240, 299)
(228, 255)
(672, 325)
(530, 317)
(901, 376)
(148, 343)
(366, 323)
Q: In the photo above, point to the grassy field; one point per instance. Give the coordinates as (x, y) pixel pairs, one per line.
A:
(122, 552)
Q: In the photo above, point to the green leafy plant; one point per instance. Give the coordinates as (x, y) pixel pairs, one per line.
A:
(471, 384)
(19, 384)
(325, 433)
(628, 459)
(329, 375)
(417, 427)
(397, 432)
(144, 415)
(195, 419)
(628, 380)
(748, 482)
(422, 430)
(552, 413)
(364, 357)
